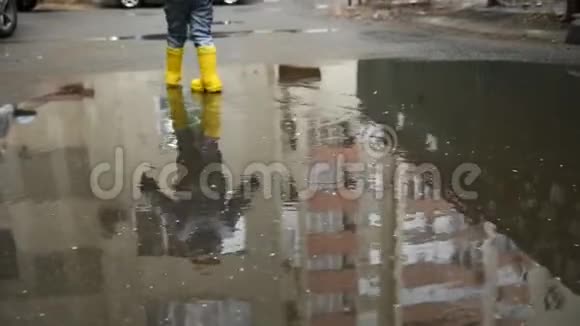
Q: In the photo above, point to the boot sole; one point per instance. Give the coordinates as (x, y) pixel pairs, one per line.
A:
(206, 90)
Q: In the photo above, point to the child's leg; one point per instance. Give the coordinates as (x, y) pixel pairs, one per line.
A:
(177, 17)
(200, 21)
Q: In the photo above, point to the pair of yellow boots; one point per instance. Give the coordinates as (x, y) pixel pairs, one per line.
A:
(207, 57)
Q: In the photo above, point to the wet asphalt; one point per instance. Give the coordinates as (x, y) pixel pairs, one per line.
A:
(56, 46)
(404, 179)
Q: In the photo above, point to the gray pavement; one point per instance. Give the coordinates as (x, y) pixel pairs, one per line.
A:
(65, 44)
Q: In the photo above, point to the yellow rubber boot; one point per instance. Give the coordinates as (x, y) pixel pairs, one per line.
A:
(177, 107)
(210, 81)
(211, 115)
(174, 59)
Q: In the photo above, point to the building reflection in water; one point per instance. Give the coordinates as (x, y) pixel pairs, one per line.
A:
(445, 267)
(455, 267)
(453, 271)
(338, 254)
(202, 312)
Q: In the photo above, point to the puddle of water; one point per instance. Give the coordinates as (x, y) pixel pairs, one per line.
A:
(227, 22)
(371, 242)
(222, 34)
(216, 34)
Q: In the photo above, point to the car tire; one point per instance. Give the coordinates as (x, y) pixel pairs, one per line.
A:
(130, 4)
(27, 5)
(7, 28)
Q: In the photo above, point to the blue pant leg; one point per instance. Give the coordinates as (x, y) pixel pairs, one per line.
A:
(200, 20)
(177, 17)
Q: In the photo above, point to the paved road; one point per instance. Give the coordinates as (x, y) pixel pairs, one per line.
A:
(62, 44)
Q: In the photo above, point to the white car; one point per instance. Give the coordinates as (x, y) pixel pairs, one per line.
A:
(8, 17)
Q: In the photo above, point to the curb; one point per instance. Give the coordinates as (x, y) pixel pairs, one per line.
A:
(71, 6)
(447, 19)
(465, 25)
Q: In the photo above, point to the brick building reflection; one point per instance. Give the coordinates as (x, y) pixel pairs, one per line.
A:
(454, 272)
(338, 252)
(331, 246)
(447, 269)
(451, 265)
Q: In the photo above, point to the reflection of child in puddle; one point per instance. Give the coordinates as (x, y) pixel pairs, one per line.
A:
(197, 224)
(197, 144)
